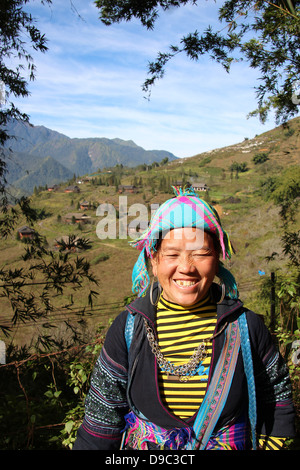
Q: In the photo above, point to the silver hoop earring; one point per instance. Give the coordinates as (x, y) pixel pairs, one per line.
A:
(151, 293)
(223, 293)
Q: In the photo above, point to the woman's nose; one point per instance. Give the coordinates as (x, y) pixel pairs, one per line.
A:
(186, 264)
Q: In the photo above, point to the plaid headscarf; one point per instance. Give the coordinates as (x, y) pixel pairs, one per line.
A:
(186, 209)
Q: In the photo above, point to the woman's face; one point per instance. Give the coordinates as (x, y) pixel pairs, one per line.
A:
(185, 265)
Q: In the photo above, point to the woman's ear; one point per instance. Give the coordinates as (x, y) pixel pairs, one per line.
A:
(217, 266)
(153, 260)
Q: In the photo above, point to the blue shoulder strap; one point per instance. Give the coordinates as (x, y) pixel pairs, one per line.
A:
(248, 367)
(129, 329)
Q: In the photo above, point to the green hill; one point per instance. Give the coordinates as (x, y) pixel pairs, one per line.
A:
(234, 176)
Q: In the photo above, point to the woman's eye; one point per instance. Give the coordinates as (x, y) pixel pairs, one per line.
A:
(201, 254)
(171, 256)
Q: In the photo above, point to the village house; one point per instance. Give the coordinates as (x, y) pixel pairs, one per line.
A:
(26, 232)
(85, 179)
(84, 205)
(195, 186)
(200, 187)
(72, 189)
(54, 187)
(127, 189)
(77, 218)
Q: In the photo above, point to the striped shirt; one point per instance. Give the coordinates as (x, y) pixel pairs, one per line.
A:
(180, 331)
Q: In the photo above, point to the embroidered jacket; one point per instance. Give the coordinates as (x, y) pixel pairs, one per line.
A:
(123, 381)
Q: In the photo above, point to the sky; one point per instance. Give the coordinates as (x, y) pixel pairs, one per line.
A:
(89, 82)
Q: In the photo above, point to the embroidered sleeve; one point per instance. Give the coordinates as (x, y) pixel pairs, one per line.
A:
(277, 388)
(106, 402)
(275, 409)
(275, 397)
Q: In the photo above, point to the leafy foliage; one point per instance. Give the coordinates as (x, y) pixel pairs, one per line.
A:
(264, 33)
(51, 273)
(260, 158)
(17, 32)
(42, 397)
(284, 190)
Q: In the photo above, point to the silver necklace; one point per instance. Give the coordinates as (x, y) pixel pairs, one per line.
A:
(184, 371)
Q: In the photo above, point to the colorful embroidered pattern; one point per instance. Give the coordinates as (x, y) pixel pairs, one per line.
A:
(234, 437)
(107, 393)
(141, 432)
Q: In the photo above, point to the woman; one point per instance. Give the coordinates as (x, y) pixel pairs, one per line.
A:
(175, 371)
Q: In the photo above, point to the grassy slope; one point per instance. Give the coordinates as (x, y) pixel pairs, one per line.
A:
(253, 223)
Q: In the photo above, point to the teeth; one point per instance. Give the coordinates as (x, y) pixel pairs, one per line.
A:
(185, 283)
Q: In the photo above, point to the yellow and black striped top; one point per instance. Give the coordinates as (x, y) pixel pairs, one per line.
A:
(180, 331)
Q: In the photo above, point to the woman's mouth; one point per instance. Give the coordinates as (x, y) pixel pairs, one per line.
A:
(185, 283)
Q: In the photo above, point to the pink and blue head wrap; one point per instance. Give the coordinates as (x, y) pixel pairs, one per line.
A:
(186, 209)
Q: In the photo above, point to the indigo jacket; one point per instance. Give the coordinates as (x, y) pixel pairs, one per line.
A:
(122, 381)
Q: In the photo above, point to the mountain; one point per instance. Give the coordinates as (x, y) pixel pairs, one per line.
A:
(80, 156)
(25, 171)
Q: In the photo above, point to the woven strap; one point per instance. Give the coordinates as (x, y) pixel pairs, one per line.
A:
(129, 329)
(248, 367)
(217, 392)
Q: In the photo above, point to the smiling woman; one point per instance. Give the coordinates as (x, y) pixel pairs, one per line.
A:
(185, 264)
(186, 365)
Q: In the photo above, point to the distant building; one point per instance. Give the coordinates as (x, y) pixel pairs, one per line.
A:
(85, 179)
(127, 189)
(54, 187)
(72, 189)
(77, 218)
(200, 187)
(26, 232)
(84, 205)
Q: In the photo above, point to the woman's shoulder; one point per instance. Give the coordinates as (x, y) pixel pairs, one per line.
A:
(255, 319)
(118, 323)
(260, 336)
(115, 344)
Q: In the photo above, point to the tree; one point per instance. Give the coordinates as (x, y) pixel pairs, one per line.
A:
(260, 158)
(238, 168)
(264, 33)
(284, 191)
(17, 32)
(47, 272)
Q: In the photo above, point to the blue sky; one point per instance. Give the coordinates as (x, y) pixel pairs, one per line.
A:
(89, 82)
